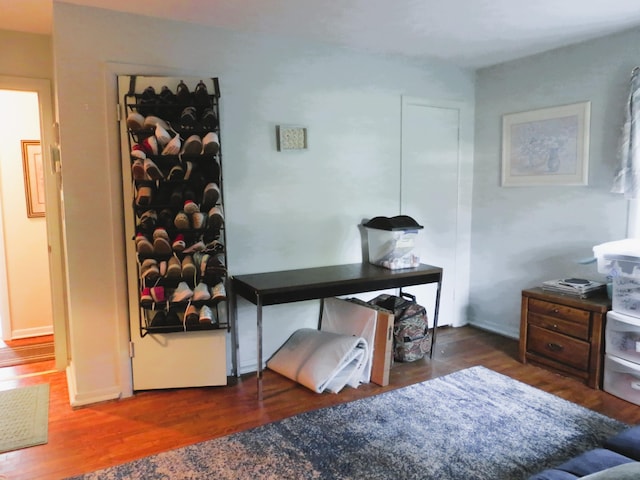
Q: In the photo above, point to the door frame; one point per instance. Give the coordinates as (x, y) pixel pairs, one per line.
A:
(53, 195)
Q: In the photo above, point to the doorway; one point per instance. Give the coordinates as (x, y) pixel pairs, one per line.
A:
(26, 290)
(37, 256)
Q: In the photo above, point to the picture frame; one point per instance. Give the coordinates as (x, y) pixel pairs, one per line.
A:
(547, 146)
(33, 166)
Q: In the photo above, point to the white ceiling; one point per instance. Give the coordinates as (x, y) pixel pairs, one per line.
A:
(470, 33)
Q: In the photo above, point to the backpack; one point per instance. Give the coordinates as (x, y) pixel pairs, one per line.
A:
(411, 338)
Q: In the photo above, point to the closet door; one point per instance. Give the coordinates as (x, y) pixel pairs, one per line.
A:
(429, 193)
(174, 226)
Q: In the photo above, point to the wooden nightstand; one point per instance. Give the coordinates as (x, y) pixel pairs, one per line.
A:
(564, 333)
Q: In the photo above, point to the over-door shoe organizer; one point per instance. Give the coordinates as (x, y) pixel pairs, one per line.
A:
(174, 140)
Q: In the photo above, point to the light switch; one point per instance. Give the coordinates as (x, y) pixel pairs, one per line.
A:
(291, 137)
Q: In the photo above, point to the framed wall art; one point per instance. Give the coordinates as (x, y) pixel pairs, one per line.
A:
(33, 167)
(549, 146)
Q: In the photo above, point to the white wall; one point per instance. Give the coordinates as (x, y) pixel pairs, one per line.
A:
(284, 210)
(25, 239)
(523, 236)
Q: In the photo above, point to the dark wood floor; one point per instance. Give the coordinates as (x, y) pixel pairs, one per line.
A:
(89, 438)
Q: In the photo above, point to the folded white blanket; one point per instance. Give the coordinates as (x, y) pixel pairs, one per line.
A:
(321, 360)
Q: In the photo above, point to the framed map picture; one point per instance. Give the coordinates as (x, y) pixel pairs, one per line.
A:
(549, 146)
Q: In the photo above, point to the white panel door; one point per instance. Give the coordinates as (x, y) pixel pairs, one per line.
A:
(162, 360)
(429, 193)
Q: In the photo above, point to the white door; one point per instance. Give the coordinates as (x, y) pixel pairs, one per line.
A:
(162, 360)
(430, 178)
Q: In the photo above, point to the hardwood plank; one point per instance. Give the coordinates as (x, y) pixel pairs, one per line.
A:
(97, 436)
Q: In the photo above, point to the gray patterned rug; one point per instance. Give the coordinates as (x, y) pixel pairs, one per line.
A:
(472, 424)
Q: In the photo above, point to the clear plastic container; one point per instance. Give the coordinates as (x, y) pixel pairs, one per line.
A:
(622, 336)
(391, 241)
(622, 378)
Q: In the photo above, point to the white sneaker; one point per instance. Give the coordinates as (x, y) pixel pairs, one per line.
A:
(201, 292)
(206, 315)
(218, 292)
(182, 293)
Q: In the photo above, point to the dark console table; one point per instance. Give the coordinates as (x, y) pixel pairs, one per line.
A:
(272, 288)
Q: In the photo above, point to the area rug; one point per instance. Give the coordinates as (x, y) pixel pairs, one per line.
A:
(471, 424)
(24, 417)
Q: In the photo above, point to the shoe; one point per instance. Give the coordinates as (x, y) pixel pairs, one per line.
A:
(152, 170)
(201, 95)
(218, 292)
(201, 292)
(176, 199)
(182, 221)
(196, 247)
(138, 151)
(210, 196)
(188, 118)
(162, 247)
(143, 196)
(178, 244)
(191, 315)
(152, 122)
(157, 293)
(199, 260)
(165, 218)
(149, 269)
(182, 293)
(188, 268)
(176, 173)
(173, 147)
(216, 265)
(162, 266)
(173, 319)
(159, 319)
(145, 296)
(192, 146)
(188, 169)
(183, 94)
(137, 169)
(206, 315)
(143, 245)
(162, 136)
(135, 121)
(199, 220)
(190, 207)
(210, 144)
(216, 218)
(174, 268)
(209, 120)
(150, 146)
(148, 101)
(148, 220)
(160, 233)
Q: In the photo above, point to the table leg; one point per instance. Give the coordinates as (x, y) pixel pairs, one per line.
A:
(259, 328)
(435, 319)
(235, 342)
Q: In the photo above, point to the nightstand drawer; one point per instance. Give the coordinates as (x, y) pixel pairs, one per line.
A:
(573, 329)
(559, 347)
(558, 310)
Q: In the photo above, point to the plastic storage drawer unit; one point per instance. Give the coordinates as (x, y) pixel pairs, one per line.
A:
(626, 295)
(622, 378)
(622, 336)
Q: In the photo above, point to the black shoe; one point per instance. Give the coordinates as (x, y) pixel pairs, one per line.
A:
(209, 120)
(201, 96)
(148, 102)
(183, 95)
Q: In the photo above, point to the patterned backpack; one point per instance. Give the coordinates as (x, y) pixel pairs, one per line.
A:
(411, 327)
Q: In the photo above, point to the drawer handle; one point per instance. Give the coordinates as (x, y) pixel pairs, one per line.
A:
(555, 310)
(554, 347)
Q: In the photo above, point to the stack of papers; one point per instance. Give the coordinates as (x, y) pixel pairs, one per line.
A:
(578, 287)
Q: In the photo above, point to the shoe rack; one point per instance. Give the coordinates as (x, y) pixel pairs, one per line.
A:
(175, 174)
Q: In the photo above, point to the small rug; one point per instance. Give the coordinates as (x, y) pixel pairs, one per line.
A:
(471, 424)
(24, 417)
(40, 352)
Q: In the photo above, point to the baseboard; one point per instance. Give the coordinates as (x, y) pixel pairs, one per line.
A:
(494, 328)
(31, 332)
(87, 398)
